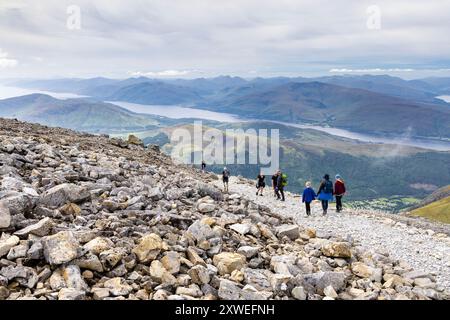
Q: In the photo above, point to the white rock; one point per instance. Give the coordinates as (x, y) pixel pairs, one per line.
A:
(5, 215)
(330, 292)
(248, 251)
(240, 228)
(206, 207)
(71, 294)
(291, 231)
(41, 228)
(7, 243)
(299, 293)
(60, 248)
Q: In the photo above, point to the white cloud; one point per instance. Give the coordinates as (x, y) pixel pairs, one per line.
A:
(373, 70)
(274, 37)
(389, 70)
(6, 62)
(165, 73)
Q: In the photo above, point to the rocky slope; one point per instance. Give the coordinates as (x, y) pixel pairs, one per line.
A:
(417, 242)
(88, 217)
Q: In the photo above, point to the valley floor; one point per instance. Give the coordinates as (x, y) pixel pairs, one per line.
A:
(424, 246)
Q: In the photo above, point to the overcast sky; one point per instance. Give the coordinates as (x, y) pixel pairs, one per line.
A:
(200, 38)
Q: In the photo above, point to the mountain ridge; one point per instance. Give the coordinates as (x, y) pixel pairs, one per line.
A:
(354, 109)
(78, 114)
(377, 104)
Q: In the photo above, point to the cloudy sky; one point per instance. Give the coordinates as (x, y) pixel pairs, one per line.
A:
(203, 38)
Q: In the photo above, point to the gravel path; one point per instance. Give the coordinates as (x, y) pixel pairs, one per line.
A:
(423, 249)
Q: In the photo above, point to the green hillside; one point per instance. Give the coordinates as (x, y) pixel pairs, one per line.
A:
(437, 195)
(78, 114)
(438, 210)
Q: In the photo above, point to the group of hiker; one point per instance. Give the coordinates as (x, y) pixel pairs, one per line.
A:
(327, 190)
(325, 193)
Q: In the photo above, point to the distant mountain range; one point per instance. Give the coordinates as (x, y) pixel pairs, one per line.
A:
(420, 89)
(337, 106)
(370, 104)
(79, 114)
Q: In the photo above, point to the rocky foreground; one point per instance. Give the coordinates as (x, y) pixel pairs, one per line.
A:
(422, 244)
(88, 217)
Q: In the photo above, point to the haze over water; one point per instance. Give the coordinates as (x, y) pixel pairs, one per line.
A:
(445, 98)
(11, 92)
(180, 112)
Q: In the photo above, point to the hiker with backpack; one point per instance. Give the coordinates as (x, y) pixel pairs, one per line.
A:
(274, 183)
(339, 191)
(203, 166)
(308, 196)
(325, 192)
(225, 178)
(281, 183)
(260, 184)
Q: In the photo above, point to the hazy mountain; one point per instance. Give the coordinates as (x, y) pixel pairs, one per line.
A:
(73, 85)
(375, 104)
(384, 84)
(104, 88)
(440, 85)
(155, 93)
(350, 108)
(137, 90)
(419, 89)
(209, 86)
(105, 91)
(77, 114)
(254, 86)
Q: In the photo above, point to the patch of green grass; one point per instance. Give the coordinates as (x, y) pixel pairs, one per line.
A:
(392, 204)
(410, 201)
(438, 210)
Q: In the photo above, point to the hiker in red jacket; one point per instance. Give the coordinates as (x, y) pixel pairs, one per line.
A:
(339, 191)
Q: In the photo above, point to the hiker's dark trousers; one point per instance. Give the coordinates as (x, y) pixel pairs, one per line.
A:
(308, 208)
(338, 203)
(325, 205)
(280, 191)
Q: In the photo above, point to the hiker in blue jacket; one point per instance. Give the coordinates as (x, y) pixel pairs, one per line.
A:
(308, 196)
(325, 192)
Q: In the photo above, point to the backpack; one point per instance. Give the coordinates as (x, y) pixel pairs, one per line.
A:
(328, 187)
(284, 180)
(226, 173)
